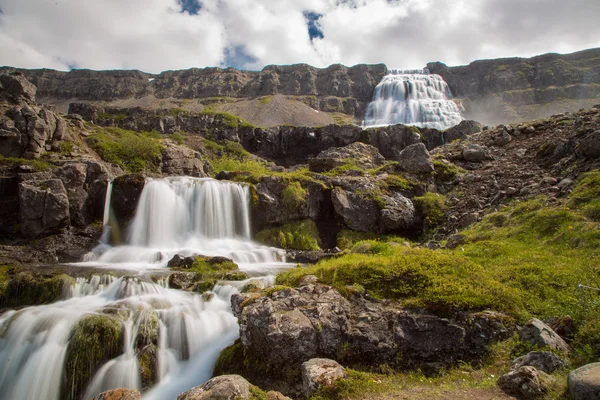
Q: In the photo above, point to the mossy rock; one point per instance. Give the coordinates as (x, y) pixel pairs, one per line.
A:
(298, 235)
(95, 339)
(26, 289)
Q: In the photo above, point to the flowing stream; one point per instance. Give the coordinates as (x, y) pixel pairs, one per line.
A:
(413, 97)
(186, 216)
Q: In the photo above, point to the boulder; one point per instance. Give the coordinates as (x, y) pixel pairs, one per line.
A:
(391, 140)
(181, 262)
(272, 395)
(363, 155)
(584, 382)
(359, 212)
(43, 207)
(119, 394)
(589, 146)
(224, 387)
(399, 214)
(542, 360)
(474, 153)
(502, 139)
(181, 160)
(126, 192)
(16, 88)
(462, 130)
(320, 372)
(525, 382)
(538, 333)
(415, 158)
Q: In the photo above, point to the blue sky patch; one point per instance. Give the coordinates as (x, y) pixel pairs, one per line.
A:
(192, 7)
(312, 21)
(238, 57)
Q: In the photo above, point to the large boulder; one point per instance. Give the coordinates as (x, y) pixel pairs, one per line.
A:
(525, 382)
(462, 130)
(320, 372)
(126, 193)
(538, 333)
(415, 158)
(542, 360)
(584, 382)
(474, 153)
(16, 88)
(399, 214)
(119, 394)
(589, 146)
(224, 387)
(358, 211)
(181, 160)
(391, 140)
(43, 207)
(364, 156)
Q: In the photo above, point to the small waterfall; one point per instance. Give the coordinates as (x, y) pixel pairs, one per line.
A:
(413, 97)
(106, 217)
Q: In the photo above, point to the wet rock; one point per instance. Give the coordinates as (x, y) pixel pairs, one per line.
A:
(538, 333)
(183, 280)
(474, 153)
(320, 372)
(224, 387)
(542, 360)
(127, 190)
(181, 262)
(363, 155)
(44, 207)
(526, 382)
(119, 394)
(584, 382)
(415, 158)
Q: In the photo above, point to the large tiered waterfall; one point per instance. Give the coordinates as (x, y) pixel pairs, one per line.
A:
(413, 97)
(174, 216)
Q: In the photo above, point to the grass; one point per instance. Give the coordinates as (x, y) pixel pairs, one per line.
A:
(433, 207)
(298, 235)
(294, 196)
(132, 151)
(117, 117)
(232, 121)
(37, 165)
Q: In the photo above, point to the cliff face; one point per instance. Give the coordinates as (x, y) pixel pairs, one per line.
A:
(518, 89)
(491, 91)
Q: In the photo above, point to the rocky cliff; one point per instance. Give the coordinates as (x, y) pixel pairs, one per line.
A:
(519, 89)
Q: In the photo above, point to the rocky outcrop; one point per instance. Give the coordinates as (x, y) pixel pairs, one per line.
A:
(525, 382)
(119, 394)
(358, 211)
(126, 192)
(538, 333)
(224, 387)
(584, 382)
(320, 372)
(415, 159)
(291, 326)
(181, 160)
(399, 215)
(15, 88)
(542, 360)
(363, 156)
(518, 89)
(44, 207)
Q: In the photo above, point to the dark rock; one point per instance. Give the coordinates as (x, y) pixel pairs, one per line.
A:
(181, 262)
(224, 387)
(462, 130)
(538, 333)
(542, 360)
(391, 140)
(415, 158)
(584, 382)
(502, 139)
(119, 394)
(44, 207)
(16, 88)
(363, 155)
(183, 280)
(563, 326)
(454, 241)
(589, 146)
(399, 214)
(126, 192)
(526, 382)
(358, 212)
(320, 372)
(474, 153)
(307, 257)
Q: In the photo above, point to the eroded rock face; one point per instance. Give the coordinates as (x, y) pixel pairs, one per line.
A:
(44, 207)
(526, 382)
(127, 190)
(16, 88)
(584, 382)
(320, 372)
(119, 394)
(294, 325)
(363, 155)
(181, 160)
(224, 387)
(538, 333)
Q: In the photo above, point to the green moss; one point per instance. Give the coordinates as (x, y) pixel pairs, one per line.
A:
(133, 151)
(147, 361)
(265, 100)
(178, 138)
(37, 165)
(174, 112)
(347, 238)
(232, 121)
(398, 183)
(106, 116)
(66, 147)
(94, 340)
(257, 393)
(433, 207)
(25, 288)
(298, 235)
(445, 172)
(294, 196)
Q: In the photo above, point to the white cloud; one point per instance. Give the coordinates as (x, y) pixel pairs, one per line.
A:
(152, 35)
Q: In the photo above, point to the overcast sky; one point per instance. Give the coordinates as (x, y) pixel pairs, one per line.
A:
(157, 35)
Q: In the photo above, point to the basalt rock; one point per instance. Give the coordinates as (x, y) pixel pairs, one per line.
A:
(542, 360)
(126, 192)
(16, 88)
(538, 333)
(44, 207)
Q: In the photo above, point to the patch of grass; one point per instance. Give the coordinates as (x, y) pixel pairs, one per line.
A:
(433, 207)
(230, 120)
(174, 112)
(117, 117)
(264, 100)
(294, 196)
(347, 238)
(342, 119)
(132, 151)
(398, 183)
(298, 235)
(445, 172)
(66, 147)
(178, 138)
(37, 165)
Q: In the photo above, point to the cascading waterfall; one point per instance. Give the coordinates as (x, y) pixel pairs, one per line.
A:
(413, 97)
(185, 216)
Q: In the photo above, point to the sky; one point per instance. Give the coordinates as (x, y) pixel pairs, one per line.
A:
(158, 35)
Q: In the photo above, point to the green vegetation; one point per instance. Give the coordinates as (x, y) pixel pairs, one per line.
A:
(299, 235)
(232, 121)
(133, 151)
(25, 289)
(341, 118)
(587, 195)
(433, 207)
(446, 172)
(398, 183)
(210, 270)
(95, 339)
(174, 112)
(265, 100)
(117, 117)
(294, 196)
(37, 165)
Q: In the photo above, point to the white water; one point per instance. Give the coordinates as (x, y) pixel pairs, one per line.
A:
(412, 98)
(185, 216)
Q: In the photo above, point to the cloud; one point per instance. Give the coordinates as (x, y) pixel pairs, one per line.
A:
(156, 35)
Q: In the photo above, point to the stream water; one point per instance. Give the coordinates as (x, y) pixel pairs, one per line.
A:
(185, 216)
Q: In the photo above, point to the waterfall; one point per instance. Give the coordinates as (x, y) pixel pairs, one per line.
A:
(413, 97)
(185, 216)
